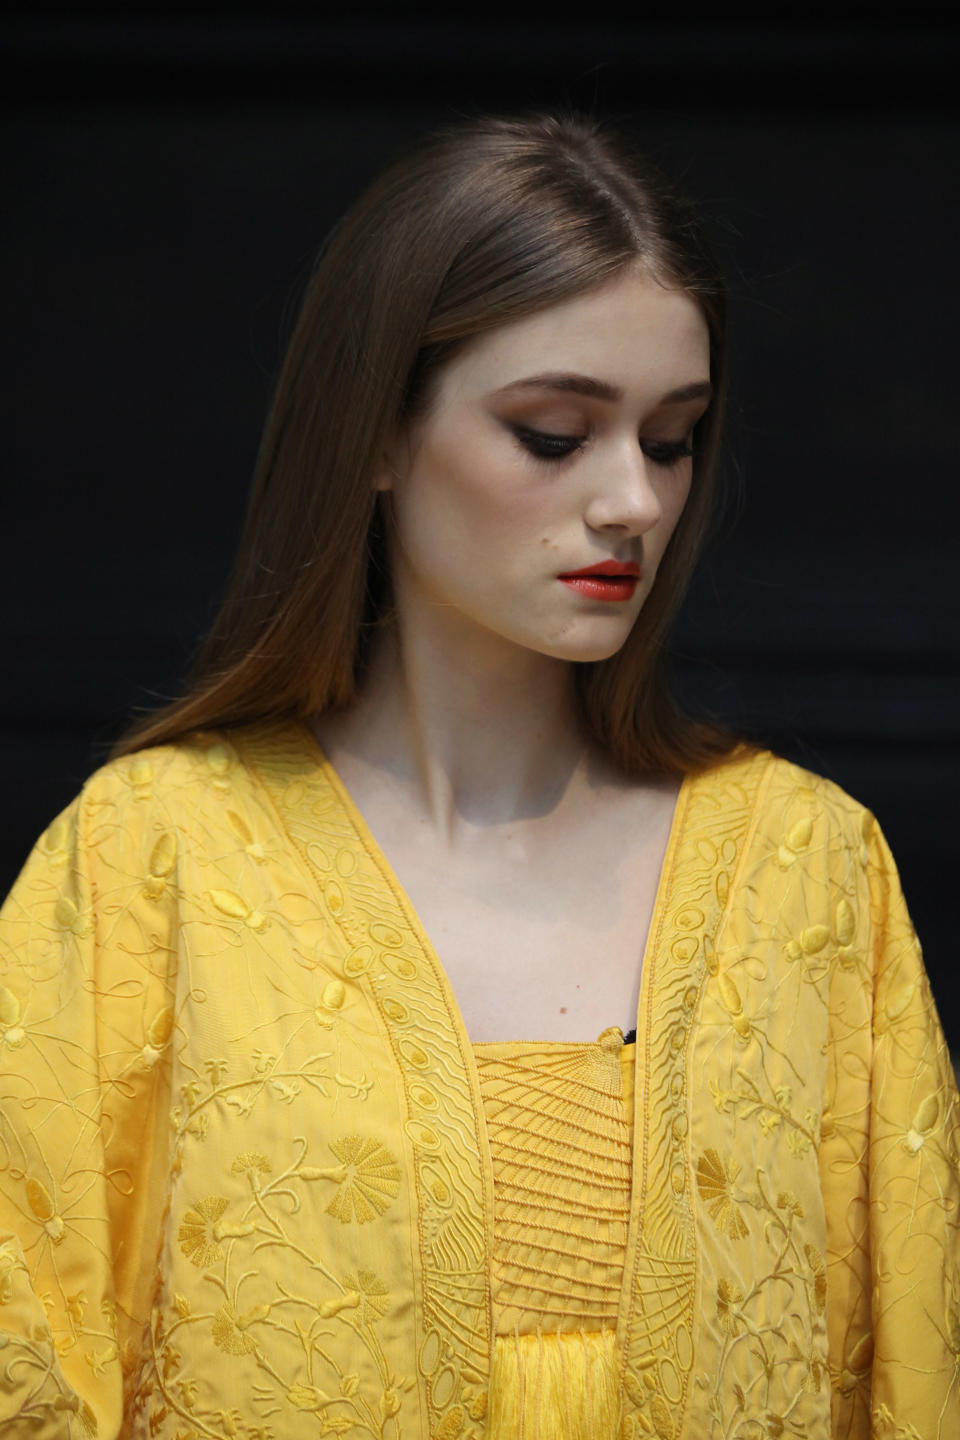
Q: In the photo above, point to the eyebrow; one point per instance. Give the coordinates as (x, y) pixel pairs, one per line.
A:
(601, 389)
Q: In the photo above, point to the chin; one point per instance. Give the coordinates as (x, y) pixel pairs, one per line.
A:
(585, 651)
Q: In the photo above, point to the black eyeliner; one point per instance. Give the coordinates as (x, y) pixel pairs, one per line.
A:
(542, 445)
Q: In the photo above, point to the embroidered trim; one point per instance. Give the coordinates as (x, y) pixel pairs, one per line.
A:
(390, 957)
(656, 1319)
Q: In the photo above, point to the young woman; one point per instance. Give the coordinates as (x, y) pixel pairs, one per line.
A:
(323, 1111)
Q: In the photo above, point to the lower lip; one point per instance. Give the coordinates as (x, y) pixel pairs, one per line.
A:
(596, 589)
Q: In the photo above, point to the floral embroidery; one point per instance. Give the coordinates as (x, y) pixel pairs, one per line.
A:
(786, 1200)
(373, 1296)
(715, 1181)
(211, 916)
(230, 1331)
(729, 1296)
(369, 1179)
(816, 1263)
(10, 1263)
(163, 857)
(66, 914)
(451, 1426)
(198, 1235)
(11, 1030)
(41, 1204)
(307, 1397)
(234, 906)
(254, 1165)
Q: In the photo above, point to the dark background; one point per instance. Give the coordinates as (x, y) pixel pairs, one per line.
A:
(167, 179)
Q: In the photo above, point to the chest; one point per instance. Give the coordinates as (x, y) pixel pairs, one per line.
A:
(540, 936)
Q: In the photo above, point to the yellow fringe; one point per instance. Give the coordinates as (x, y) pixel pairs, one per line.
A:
(555, 1387)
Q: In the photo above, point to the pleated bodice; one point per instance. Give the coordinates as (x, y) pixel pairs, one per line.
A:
(559, 1120)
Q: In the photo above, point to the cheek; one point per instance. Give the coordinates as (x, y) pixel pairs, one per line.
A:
(469, 495)
(675, 497)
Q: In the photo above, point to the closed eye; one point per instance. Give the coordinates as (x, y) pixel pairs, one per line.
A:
(545, 445)
(666, 452)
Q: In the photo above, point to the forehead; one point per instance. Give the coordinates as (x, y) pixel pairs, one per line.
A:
(633, 332)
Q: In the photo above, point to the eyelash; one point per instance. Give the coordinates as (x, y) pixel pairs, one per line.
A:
(544, 446)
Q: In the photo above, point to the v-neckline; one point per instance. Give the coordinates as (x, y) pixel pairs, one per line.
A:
(661, 1246)
(311, 751)
(465, 1044)
(374, 848)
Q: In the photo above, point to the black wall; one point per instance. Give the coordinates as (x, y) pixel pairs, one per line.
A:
(167, 179)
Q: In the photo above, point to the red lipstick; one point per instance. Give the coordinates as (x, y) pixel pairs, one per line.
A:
(607, 580)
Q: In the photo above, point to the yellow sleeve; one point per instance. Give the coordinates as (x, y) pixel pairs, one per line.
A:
(914, 1182)
(85, 1029)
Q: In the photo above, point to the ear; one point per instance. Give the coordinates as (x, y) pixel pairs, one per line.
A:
(384, 477)
(392, 463)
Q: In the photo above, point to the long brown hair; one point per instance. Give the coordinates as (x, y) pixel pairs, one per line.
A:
(482, 224)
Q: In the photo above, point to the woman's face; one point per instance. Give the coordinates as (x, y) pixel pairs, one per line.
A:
(552, 444)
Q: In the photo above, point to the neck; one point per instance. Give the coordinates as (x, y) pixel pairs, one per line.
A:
(467, 743)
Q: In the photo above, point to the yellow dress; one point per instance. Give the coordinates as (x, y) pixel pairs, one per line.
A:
(559, 1123)
(247, 1179)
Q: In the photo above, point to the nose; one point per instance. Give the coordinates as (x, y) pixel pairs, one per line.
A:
(626, 497)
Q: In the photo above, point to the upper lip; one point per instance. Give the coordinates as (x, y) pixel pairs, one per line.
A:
(605, 567)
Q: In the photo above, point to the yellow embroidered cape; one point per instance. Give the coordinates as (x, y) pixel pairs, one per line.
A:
(245, 1188)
